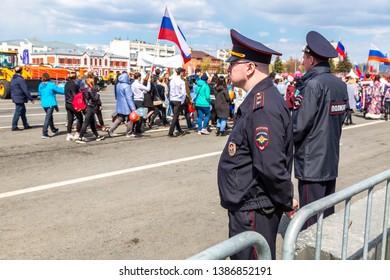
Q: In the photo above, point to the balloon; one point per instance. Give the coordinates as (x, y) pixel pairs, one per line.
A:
(190, 108)
(231, 94)
(142, 112)
(134, 116)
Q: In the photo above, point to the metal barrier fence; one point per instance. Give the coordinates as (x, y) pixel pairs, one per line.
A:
(318, 207)
(235, 244)
(250, 238)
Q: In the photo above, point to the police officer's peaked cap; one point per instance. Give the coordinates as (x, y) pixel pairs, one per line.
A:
(245, 48)
(318, 46)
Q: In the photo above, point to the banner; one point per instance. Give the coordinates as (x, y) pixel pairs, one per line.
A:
(25, 57)
(145, 59)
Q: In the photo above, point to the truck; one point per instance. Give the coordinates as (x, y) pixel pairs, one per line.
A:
(31, 73)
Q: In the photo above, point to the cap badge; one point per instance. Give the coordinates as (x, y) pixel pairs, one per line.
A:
(242, 55)
(262, 137)
(232, 149)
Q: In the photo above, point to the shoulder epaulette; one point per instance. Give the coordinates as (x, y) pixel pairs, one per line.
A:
(258, 101)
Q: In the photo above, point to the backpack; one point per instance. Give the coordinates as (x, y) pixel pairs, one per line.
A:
(78, 102)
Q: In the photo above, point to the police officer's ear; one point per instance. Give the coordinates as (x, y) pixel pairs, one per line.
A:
(250, 67)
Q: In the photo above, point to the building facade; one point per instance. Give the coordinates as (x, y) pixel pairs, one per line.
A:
(99, 62)
(223, 55)
(68, 56)
(203, 61)
(121, 55)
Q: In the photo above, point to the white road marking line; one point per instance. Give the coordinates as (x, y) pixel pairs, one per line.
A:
(44, 114)
(363, 124)
(104, 175)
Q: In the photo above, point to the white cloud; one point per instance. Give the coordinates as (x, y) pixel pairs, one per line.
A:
(283, 40)
(264, 34)
(204, 23)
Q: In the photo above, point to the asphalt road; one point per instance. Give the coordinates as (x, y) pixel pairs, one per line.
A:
(143, 198)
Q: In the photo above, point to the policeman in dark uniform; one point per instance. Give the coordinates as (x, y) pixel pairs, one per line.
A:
(320, 110)
(254, 171)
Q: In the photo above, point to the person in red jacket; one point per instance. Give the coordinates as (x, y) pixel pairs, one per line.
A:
(290, 93)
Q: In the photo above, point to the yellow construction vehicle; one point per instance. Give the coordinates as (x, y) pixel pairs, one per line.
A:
(110, 78)
(8, 61)
(31, 73)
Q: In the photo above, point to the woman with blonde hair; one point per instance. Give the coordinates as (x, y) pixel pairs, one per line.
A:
(91, 97)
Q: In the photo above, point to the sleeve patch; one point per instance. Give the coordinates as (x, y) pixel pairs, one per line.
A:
(337, 108)
(262, 137)
(298, 101)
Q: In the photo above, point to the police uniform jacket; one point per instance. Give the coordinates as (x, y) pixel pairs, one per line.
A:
(317, 124)
(254, 171)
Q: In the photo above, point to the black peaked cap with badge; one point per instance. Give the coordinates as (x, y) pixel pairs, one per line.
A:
(245, 48)
(319, 46)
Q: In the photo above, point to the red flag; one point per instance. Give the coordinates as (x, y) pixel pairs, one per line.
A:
(341, 50)
(170, 31)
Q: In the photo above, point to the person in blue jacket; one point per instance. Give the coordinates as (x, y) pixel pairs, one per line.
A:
(47, 90)
(124, 105)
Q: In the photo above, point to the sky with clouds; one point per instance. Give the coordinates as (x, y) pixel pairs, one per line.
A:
(281, 25)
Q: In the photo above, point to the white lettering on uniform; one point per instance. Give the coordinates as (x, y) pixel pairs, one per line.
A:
(337, 108)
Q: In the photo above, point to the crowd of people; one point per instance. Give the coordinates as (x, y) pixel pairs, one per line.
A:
(368, 94)
(206, 103)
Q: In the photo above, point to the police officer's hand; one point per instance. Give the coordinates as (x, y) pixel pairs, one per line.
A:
(295, 206)
(32, 101)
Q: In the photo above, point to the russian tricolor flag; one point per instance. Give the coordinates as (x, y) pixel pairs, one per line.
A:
(170, 31)
(376, 55)
(341, 50)
(357, 69)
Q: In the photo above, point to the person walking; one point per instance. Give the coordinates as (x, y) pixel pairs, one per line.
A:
(319, 112)
(202, 103)
(91, 97)
(222, 106)
(47, 90)
(254, 170)
(177, 96)
(20, 95)
(353, 95)
(158, 101)
(71, 89)
(139, 90)
(124, 105)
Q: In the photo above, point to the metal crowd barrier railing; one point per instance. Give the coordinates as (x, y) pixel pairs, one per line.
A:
(246, 239)
(318, 207)
(235, 244)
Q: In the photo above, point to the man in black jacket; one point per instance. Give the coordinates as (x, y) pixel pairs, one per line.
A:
(320, 110)
(254, 171)
(20, 95)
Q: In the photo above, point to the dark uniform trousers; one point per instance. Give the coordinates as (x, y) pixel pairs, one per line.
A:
(255, 220)
(312, 191)
(138, 124)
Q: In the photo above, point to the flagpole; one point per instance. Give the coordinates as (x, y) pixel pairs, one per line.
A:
(367, 63)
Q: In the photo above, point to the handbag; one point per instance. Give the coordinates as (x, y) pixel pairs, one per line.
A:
(157, 102)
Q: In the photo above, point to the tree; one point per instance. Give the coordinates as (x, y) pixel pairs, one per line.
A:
(344, 66)
(292, 65)
(205, 64)
(332, 66)
(278, 65)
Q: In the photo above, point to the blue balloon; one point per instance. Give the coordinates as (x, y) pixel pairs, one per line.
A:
(142, 112)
